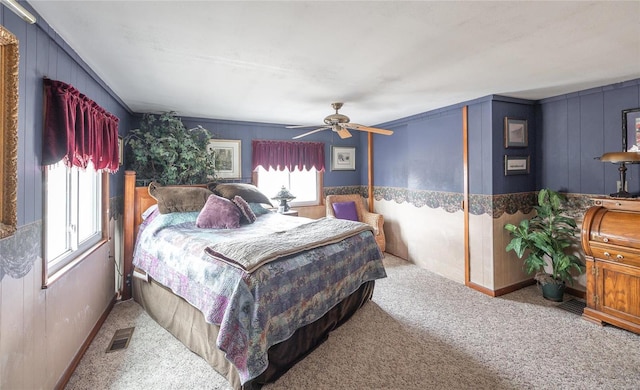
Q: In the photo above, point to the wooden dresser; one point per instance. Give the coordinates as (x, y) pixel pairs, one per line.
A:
(611, 242)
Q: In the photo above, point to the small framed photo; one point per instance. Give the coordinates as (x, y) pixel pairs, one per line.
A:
(227, 157)
(631, 129)
(516, 165)
(343, 158)
(120, 150)
(515, 133)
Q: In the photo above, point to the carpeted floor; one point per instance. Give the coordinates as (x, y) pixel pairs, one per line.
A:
(420, 331)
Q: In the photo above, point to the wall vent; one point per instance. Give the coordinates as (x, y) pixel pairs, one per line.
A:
(120, 339)
(574, 306)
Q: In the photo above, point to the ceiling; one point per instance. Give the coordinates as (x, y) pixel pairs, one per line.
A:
(285, 62)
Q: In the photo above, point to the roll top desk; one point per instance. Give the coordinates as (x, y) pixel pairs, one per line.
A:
(610, 239)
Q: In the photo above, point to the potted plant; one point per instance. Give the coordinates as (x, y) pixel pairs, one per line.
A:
(546, 238)
(163, 150)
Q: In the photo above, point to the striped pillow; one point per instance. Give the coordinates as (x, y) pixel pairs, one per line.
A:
(247, 214)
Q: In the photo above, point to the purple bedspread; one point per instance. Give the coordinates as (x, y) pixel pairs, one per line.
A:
(259, 309)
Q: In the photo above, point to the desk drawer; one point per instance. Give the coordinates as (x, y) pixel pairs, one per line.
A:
(616, 255)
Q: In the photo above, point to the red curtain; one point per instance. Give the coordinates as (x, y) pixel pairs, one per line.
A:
(287, 154)
(77, 130)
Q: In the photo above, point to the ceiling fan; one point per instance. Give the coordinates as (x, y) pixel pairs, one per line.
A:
(340, 124)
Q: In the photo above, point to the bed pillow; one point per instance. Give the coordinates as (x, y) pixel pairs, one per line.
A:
(172, 199)
(218, 213)
(149, 211)
(345, 210)
(258, 210)
(247, 214)
(248, 192)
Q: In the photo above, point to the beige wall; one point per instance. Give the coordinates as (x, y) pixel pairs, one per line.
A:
(431, 238)
(42, 330)
(491, 266)
(434, 239)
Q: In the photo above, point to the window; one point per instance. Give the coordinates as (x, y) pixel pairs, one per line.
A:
(305, 185)
(73, 215)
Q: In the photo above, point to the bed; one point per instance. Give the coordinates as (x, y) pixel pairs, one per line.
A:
(251, 317)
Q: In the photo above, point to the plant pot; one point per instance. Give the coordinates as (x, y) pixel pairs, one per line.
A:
(553, 291)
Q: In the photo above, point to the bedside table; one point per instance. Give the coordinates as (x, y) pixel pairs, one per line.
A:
(292, 213)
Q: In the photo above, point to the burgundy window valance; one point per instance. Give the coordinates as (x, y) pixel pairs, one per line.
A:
(287, 154)
(77, 130)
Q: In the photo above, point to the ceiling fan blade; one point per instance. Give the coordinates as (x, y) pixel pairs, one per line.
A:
(344, 133)
(311, 132)
(299, 126)
(356, 126)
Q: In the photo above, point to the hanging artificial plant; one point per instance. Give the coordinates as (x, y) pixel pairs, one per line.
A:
(162, 149)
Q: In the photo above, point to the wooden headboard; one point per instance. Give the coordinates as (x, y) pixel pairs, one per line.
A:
(136, 201)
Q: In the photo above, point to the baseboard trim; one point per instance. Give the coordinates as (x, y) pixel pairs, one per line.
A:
(501, 291)
(481, 289)
(576, 293)
(62, 383)
(514, 287)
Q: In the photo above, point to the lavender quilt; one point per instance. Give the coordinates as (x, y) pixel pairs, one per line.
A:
(253, 310)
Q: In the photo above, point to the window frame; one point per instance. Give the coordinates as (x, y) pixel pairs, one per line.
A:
(82, 252)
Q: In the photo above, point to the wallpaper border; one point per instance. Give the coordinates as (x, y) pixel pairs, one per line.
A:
(493, 205)
(19, 252)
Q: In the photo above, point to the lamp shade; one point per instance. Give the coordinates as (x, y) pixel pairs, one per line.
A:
(283, 194)
(621, 157)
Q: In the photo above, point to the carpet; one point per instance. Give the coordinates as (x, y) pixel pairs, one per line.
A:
(420, 331)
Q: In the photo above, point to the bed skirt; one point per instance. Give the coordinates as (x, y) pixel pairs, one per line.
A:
(187, 324)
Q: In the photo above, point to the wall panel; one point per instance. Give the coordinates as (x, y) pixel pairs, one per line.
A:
(429, 150)
(480, 148)
(11, 329)
(390, 162)
(553, 153)
(518, 109)
(591, 123)
(592, 142)
(42, 330)
(247, 131)
(574, 151)
(434, 153)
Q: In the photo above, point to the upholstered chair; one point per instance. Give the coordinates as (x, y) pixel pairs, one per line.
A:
(373, 219)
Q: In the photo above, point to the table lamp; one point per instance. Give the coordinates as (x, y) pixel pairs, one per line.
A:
(622, 158)
(283, 196)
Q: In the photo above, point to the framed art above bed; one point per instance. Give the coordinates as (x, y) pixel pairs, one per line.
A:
(228, 157)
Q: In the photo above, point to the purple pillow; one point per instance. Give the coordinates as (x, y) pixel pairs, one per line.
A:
(245, 209)
(218, 213)
(345, 210)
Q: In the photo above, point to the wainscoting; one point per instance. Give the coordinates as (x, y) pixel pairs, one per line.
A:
(427, 228)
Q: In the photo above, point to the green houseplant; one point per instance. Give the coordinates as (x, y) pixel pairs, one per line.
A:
(545, 239)
(162, 149)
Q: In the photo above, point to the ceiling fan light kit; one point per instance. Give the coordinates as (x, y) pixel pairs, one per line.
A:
(340, 124)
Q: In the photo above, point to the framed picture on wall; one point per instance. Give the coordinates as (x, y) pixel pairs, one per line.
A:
(227, 157)
(516, 165)
(631, 128)
(515, 133)
(343, 158)
(120, 150)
